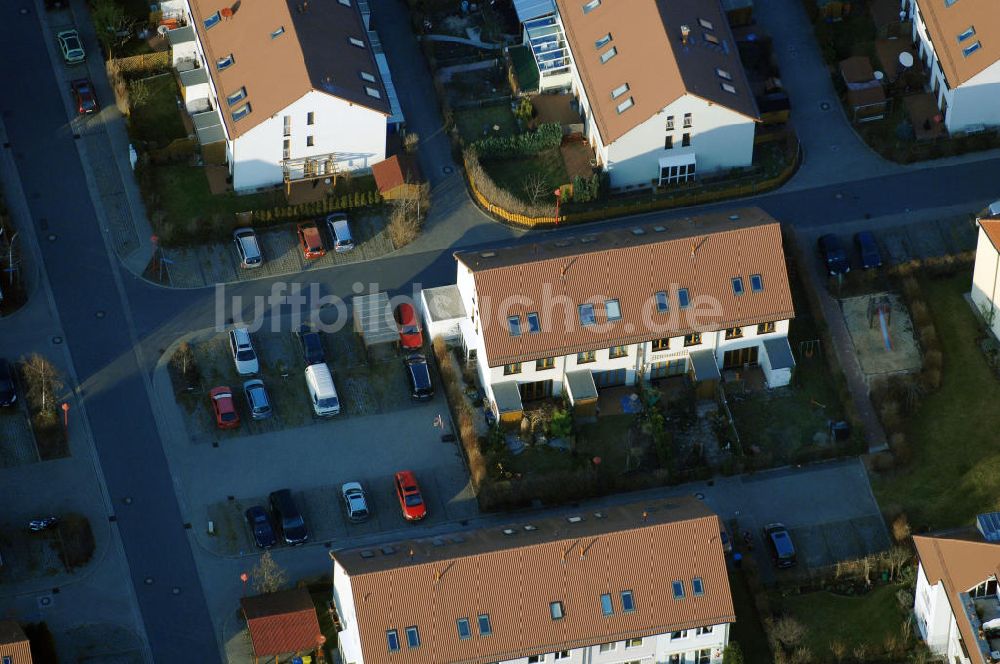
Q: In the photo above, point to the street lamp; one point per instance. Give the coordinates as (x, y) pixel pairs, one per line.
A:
(558, 195)
(65, 410)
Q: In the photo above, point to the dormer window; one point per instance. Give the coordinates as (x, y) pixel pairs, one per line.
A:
(705, 23)
(683, 298)
(586, 312)
(591, 6)
(212, 20)
(241, 112)
(628, 602)
(237, 96)
(606, 608)
(534, 327)
(392, 640)
(556, 610)
(971, 48)
(625, 105)
(697, 587)
(737, 286)
(603, 41)
(280, 30)
(613, 309)
(608, 54)
(485, 628)
(722, 73)
(710, 38)
(756, 283)
(365, 76)
(373, 92)
(678, 588)
(514, 325)
(356, 42)
(223, 63)
(662, 303)
(619, 91)
(966, 34)
(729, 88)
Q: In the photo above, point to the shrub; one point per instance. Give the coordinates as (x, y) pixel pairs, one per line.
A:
(461, 412)
(497, 196)
(933, 359)
(920, 314)
(546, 137)
(891, 417)
(928, 337)
(900, 448)
(931, 379)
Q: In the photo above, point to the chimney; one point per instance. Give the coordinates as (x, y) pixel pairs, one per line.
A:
(685, 33)
(694, 248)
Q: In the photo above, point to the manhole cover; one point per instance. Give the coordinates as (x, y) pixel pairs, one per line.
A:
(100, 313)
(45, 601)
(699, 496)
(127, 500)
(834, 148)
(51, 237)
(57, 340)
(148, 580)
(23, 11)
(175, 590)
(838, 196)
(447, 170)
(824, 106)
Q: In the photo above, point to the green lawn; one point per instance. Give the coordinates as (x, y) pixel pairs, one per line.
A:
(184, 194)
(852, 620)
(525, 68)
(510, 174)
(956, 450)
(474, 123)
(157, 119)
(604, 438)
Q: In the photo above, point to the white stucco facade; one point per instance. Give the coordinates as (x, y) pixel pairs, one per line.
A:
(986, 282)
(936, 621)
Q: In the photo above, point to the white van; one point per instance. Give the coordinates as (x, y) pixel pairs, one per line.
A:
(322, 391)
(340, 231)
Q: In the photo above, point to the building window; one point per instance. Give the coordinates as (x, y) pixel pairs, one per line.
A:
(675, 174)
(514, 325)
(225, 63)
(683, 298)
(619, 91)
(286, 149)
(971, 48)
(674, 636)
(212, 20)
(591, 6)
(545, 363)
(309, 142)
(346, 3)
(412, 637)
(674, 659)
(562, 654)
(687, 120)
(613, 309)
(662, 303)
(372, 92)
(485, 628)
(586, 357)
(711, 39)
(737, 286)
(586, 312)
(698, 589)
(392, 639)
(705, 23)
(670, 123)
(966, 34)
(668, 142)
(756, 283)
(603, 41)
(616, 352)
(287, 120)
(628, 603)
(310, 118)
(241, 112)
(511, 369)
(625, 105)
(464, 630)
(277, 33)
(661, 344)
(534, 659)
(556, 610)
(678, 588)
(534, 327)
(729, 88)
(608, 54)
(633, 643)
(734, 333)
(723, 74)
(607, 647)
(606, 609)
(685, 140)
(693, 339)
(237, 96)
(365, 76)
(765, 328)
(704, 656)
(703, 630)
(356, 42)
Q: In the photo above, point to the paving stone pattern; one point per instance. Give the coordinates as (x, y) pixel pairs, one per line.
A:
(17, 444)
(101, 162)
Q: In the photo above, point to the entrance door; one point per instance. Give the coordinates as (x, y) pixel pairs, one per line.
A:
(740, 357)
(668, 368)
(539, 389)
(611, 378)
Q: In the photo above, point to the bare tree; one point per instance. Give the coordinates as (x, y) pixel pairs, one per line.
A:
(410, 141)
(535, 187)
(788, 631)
(268, 576)
(43, 381)
(861, 652)
(406, 214)
(138, 93)
(113, 25)
(838, 650)
(896, 557)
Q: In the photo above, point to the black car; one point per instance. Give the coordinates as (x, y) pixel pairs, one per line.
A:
(8, 391)
(260, 525)
(833, 255)
(312, 346)
(871, 257)
(419, 375)
(780, 543)
(287, 516)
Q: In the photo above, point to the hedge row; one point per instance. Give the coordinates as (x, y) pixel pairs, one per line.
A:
(547, 136)
(286, 213)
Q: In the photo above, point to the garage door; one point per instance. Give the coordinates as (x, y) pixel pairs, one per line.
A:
(611, 378)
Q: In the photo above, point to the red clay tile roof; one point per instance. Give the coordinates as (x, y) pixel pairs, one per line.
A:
(992, 229)
(281, 622)
(945, 24)
(961, 563)
(701, 254)
(13, 643)
(514, 577)
(396, 170)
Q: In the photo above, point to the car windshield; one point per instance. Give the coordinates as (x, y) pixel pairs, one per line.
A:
(329, 402)
(414, 500)
(259, 517)
(411, 329)
(294, 521)
(420, 376)
(245, 355)
(72, 43)
(228, 417)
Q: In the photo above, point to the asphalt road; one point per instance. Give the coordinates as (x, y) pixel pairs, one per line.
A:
(96, 327)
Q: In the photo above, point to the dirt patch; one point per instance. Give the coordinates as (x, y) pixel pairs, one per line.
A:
(866, 334)
(555, 108)
(577, 156)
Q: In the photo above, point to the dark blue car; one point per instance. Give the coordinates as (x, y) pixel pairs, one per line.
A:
(833, 255)
(780, 543)
(259, 523)
(871, 257)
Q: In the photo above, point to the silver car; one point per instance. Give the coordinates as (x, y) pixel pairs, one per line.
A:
(354, 501)
(244, 356)
(248, 247)
(258, 401)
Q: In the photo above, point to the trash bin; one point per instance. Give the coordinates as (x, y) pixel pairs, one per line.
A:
(737, 559)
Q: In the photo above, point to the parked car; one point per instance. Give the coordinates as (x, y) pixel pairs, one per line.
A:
(83, 95)
(71, 46)
(258, 401)
(410, 336)
(248, 247)
(419, 375)
(259, 523)
(410, 500)
(340, 232)
(224, 408)
(312, 346)
(310, 241)
(8, 389)
(287, 516)
(244, 356)
(834, 255)
(354, 501)
(322, 391)
(780, 544)
(727, 541)
(871, 257)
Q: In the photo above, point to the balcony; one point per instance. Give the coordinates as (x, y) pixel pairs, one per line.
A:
(980, 611)
(207, 124)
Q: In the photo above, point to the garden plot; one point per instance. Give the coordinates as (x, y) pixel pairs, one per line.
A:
(903, 355)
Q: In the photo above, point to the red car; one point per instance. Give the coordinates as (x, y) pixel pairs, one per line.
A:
(310, 241)
(226, 416)
(83, 95)
(410, 336)
(410, 500)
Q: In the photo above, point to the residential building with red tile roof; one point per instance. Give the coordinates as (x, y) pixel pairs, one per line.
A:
(959, 42)
(572, 315)
(282, 623)
(985, 292)
(14, 645)
(294, 89)
(643, 582)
